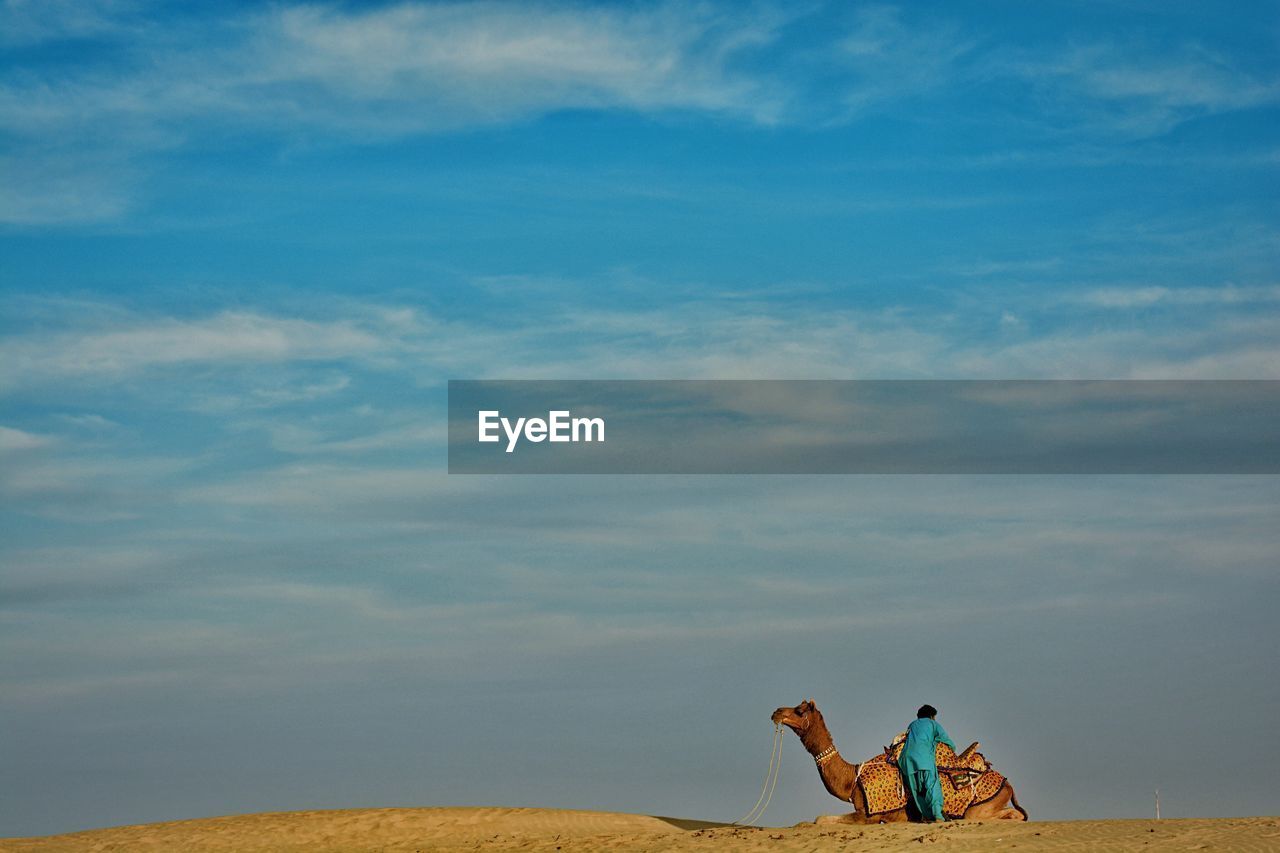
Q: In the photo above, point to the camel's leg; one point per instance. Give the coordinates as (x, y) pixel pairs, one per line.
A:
(852, 817)
(998, 808)
(1019, 812)
(1013, 796)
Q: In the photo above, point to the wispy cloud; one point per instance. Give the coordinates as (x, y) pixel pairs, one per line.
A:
(16, 439)
(364, 74)
(1141, 297)
(43, 185)
(1135, 90)
(430, 67)
(405, 68)
(29, 22)
(723, 337)
(1101, 541)
(79, 131)
(891, 58)
(224, 338)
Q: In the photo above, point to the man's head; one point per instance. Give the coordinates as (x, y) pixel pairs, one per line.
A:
(926, 711)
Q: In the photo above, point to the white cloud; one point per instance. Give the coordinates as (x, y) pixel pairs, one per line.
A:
(893, 59)
(89, 421)
(1096, 544)
(15, 439)
(27, 22)
(366, 74)
(277, 393)
(1141, 297)
(1135, 90)
(412, 68)
(1200, 332)
(228, 337)
(80, 131)
(435, 66)
(42, 186)
(1211, 347)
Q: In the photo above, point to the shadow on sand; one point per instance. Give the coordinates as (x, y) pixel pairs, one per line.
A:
(689, 825)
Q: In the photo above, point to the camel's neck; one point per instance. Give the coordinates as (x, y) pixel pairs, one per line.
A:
(837, 774)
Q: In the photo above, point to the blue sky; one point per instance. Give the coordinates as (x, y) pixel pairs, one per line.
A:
(244, 246)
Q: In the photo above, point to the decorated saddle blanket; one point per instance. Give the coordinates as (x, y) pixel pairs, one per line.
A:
(967, 780)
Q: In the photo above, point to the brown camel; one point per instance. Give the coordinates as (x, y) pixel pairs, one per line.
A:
(839, 775)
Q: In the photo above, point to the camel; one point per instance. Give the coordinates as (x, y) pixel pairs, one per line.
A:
(839, 776)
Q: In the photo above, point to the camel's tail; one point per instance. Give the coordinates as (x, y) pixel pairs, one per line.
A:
(1013, 798)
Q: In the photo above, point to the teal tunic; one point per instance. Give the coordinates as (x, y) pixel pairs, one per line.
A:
(919, 767)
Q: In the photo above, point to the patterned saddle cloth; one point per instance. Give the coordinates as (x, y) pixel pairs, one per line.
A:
(967, 779)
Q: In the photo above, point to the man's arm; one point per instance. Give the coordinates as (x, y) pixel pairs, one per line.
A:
(940, 736)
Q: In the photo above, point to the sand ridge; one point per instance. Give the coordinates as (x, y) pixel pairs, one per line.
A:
(502, 829)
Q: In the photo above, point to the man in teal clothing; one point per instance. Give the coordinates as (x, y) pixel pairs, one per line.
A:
(919, 767)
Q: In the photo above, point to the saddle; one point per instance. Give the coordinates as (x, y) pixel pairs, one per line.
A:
(967, 779)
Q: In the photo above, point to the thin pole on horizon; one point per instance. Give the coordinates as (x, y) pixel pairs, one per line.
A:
(1157, 803)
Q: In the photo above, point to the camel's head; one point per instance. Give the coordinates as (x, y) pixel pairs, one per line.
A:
(799, 718)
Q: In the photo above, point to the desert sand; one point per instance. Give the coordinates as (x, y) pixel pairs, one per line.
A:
(456, 829)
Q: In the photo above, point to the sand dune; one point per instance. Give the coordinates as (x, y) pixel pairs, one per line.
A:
(450, 829)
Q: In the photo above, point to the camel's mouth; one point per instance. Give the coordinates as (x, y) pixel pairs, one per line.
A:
(783, 716)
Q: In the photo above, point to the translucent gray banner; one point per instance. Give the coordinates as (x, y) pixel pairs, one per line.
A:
(863, 427)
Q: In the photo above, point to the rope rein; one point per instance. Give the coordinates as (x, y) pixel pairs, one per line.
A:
(770, 781)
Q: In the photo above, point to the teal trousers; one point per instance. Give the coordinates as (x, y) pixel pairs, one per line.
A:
(924, 791)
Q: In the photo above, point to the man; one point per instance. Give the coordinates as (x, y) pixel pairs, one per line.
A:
(919, 767)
